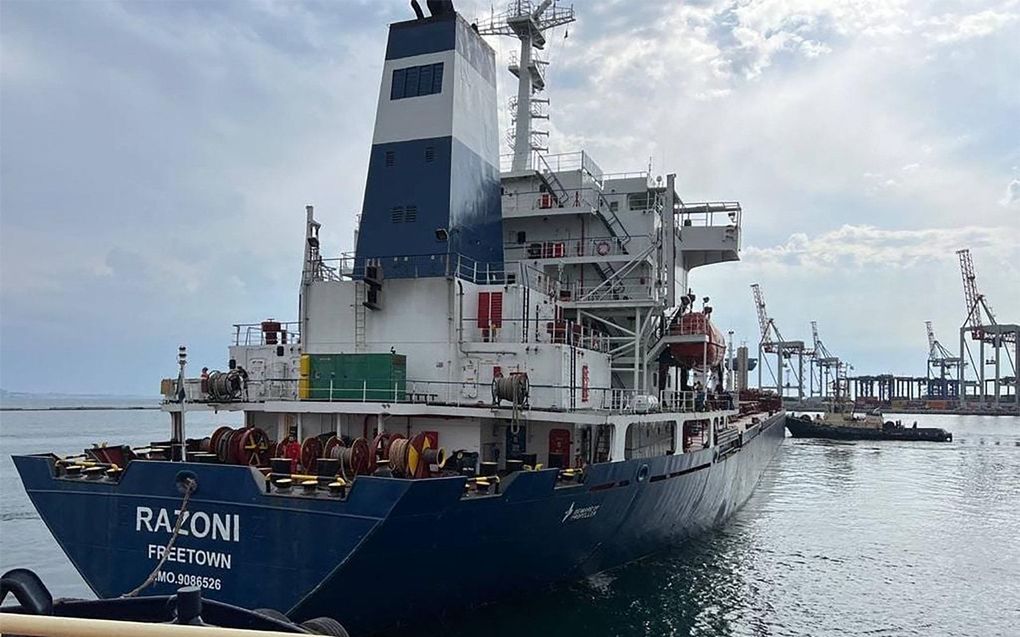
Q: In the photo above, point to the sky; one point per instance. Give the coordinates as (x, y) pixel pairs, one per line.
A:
(156, 158)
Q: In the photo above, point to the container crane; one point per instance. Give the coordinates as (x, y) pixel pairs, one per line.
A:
(1003, 341)
(946, 383)
(824, 361)
(772, 342)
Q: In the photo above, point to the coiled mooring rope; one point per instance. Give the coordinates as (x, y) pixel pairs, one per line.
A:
(190, 485)
(398, 456)
(514, 388)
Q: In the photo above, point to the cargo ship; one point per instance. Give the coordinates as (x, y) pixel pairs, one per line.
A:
(506, 385)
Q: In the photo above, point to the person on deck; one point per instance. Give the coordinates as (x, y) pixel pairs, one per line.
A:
(292, 450)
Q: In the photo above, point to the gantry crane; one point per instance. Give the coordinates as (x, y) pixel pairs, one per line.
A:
(1001, 339)
(772, 342)
(822, 363)
(946, 383)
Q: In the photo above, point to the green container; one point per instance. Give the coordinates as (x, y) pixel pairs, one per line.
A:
(358, 377)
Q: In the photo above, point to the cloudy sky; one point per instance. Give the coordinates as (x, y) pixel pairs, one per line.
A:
(156, 156)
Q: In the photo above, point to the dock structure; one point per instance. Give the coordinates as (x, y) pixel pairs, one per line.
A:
(917, 394)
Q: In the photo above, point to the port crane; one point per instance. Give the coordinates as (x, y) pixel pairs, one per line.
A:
(945, 383)
(772, 342)
(1002, 339)
(823, 365)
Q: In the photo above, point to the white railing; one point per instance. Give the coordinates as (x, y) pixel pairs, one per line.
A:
(561, 162)
(559, 249)
(349, 267)
(257, 334)
(712, 213)
(535, 330)
(475, 394)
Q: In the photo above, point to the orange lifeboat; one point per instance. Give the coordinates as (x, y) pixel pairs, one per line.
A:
(697, 354)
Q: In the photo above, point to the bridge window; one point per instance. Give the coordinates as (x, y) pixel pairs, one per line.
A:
(416, 81)
(640, 201)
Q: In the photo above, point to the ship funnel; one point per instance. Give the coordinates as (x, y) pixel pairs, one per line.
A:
(432, 198)
(440, 8)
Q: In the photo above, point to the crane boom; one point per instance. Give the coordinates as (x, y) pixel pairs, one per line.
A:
(763, 317)
(931, 337)
(973, 296)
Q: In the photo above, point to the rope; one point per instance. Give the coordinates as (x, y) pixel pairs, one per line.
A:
(189, 487)
(398, 456)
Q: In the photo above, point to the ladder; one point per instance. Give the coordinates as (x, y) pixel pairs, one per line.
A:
(360, 315)
(607, 272)
(573, 371)
(612, 221)
(559, 191)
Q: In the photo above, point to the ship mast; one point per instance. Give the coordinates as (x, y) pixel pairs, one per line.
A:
(527, 22)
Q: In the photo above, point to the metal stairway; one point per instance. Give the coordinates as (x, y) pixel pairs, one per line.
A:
(613, 285)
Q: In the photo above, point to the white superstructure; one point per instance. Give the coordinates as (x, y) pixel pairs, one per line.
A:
(595, 273)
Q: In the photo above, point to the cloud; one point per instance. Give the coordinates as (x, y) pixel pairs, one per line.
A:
(874, 249)
(950, 28)
(156, 157)
(1012, 193)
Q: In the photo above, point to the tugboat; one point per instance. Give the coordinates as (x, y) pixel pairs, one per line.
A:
(840, 422)
(37, 613)
(479, 400)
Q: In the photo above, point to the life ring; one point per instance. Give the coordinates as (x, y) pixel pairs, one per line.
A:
(602, 248)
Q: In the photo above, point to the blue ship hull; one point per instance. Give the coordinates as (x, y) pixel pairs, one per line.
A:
(393, 550)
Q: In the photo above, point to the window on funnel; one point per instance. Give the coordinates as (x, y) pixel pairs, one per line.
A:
(417, 81)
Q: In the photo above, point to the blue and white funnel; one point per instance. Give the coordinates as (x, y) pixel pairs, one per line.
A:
(433, 190)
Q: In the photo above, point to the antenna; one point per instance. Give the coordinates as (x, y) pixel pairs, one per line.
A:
(527, 21)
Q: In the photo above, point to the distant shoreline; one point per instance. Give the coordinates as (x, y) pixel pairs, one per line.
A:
(84, 408)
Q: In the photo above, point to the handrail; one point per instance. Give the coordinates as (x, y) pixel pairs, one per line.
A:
(478, 394)
(253, 334)
(602, 246)
(535, 330)
(609, 284)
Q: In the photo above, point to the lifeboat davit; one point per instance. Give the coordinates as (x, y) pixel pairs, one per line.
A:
(697, 354)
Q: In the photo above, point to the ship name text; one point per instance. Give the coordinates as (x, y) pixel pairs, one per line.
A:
(199, 524)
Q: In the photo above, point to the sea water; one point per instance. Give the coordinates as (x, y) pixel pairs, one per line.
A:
(839, 538)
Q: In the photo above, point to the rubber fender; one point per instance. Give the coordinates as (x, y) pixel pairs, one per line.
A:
(272, 613)
(28, 589)
(325, 626)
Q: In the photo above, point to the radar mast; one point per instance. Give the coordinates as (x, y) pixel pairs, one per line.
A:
(528, 21)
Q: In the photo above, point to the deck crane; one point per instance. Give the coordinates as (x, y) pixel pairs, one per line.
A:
(987, 331)
(772, 342)
(940, 359)
(824, 361)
